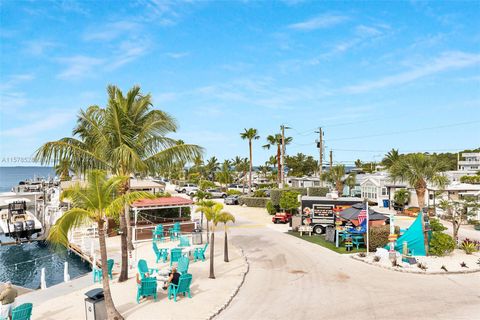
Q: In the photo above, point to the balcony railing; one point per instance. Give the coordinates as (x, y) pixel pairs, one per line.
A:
(469, 163)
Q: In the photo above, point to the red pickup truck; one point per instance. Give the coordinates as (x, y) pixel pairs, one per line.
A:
(282, 217)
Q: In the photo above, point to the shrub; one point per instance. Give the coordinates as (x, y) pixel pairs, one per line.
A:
(271, 209)
(470, 246)
(253, 202)
(259, 194)
(378, 236)
(441, 244)
(275, 194)
(289, 201)
(317, 191)
(436, 225)
(233, 192)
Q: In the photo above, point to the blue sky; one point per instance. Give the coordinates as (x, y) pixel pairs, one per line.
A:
(374, 75)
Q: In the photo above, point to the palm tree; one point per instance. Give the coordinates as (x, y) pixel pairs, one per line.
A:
(126, 137)
(390, 158)
(358, 163)
(276, 140)
(62, 169)
(211, 167)
(250, 134)
(351, 181)
(225, 175)
(224, 218)
(418, 170)
(203, 206)
(96, 202)
(336, 176)
(212, 213)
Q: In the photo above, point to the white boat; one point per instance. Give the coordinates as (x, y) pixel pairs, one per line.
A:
(17, 222)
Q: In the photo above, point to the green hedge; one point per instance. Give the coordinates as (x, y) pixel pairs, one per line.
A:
(378, 236)
(275, 194)
(317, 191)
(253, 202)
(441, 244)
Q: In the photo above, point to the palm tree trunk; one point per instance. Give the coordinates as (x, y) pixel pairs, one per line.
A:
(124, 250)
(225, 250)
(421, 203)
(251, 167)
(129, 228)
(112, 313)
(212, 254)
(207, 230)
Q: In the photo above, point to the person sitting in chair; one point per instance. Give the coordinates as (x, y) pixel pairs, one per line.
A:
(173, 277)
(7, 300)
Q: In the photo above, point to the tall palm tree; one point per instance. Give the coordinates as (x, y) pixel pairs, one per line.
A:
(276, 140)
(203, 206)
(390, 158)
(225, 217)
(250, 134)
(211, 167)
(95, 202)
(418, 170)
(358, 163)
(212, 213)
(126, 137)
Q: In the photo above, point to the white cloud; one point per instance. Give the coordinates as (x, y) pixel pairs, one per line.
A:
(10, 97)
(177, 55)
(446, 61)
(38, 47)
(111, 31)
(128, 51)
(44, 124)
(78, 66)
(320, 22)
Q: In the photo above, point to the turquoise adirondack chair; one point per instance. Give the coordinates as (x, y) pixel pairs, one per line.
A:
(22, 312)
(175, 231)
(183, 264)
(143, 269)
(158, 233)
(199, 253)
(175, 255)
(184, 241)
(97, 273)
(147, 288)
(160, 253)
(183, 287)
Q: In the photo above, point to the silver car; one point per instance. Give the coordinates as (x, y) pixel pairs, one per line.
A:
(216, 193)
(231, 200)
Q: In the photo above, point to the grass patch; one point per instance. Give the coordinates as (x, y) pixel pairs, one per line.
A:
(320, 240)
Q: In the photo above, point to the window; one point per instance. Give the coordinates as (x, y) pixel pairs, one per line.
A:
(369, 191)
(384, 191)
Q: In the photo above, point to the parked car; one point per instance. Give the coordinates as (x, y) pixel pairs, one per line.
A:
(282, 217)
(216, 193)
(188, 188)
(238, 187)
(231, 200)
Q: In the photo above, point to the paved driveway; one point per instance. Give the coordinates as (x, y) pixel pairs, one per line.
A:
(293, 279)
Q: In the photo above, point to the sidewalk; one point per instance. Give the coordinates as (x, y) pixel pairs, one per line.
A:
(66, 301)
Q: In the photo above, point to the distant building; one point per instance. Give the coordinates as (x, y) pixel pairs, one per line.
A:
(471, 161)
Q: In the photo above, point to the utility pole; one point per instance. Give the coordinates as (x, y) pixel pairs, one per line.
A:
(282, 160)
(320, 148)
(331, 159)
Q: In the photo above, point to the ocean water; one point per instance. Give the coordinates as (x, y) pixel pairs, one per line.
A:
(11, 176)
(22, 264)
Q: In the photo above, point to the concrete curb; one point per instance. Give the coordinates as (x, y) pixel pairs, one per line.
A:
(237, 289)
(411, 271)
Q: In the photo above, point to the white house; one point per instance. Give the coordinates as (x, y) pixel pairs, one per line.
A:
(378, 187)
(471, 161)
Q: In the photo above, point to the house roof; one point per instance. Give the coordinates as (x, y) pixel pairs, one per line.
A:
(163, 202)
(144, 184)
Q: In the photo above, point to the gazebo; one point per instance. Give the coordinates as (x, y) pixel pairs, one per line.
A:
(159, 204)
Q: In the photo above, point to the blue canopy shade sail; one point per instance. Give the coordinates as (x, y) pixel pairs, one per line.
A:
(414, 237)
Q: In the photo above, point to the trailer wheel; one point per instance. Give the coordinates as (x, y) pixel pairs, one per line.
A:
(318, 230)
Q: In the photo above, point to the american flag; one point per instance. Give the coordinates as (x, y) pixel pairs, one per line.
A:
(362, 216)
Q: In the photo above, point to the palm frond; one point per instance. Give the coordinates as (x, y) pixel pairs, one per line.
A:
(72, 218)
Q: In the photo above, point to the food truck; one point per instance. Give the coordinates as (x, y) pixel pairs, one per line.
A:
(319, 212)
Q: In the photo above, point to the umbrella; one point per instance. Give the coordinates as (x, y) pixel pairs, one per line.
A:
(353, 212)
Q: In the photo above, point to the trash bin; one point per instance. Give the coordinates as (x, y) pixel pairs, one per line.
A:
(197, 236)
(386, 203)
(95, 305)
